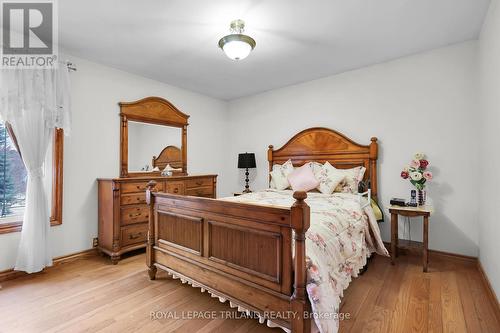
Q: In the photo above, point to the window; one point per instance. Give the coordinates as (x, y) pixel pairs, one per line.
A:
(13, 181)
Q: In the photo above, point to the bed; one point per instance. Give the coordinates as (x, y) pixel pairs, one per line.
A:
(251, 250)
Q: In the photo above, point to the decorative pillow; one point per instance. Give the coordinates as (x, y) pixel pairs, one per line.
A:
(302, 179)
(279, 175)
(278, 182)
(352, 178)
(329, 178)
(316, 168)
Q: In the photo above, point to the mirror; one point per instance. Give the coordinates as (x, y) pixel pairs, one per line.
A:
(153, 132)
(146, 141)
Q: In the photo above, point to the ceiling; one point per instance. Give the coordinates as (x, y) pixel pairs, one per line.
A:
(175, 41)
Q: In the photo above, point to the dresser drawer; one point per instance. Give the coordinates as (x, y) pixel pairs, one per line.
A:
(134, 234)
(133, 199)
(175, 188)
(138, 187)
(206, 191)
(199, 182)
(135, 214)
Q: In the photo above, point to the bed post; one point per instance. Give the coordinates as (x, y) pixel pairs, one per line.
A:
(373, 166)
(300, 214)
(270, 160)
(150, 200)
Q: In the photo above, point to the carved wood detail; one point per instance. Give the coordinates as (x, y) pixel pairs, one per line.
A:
(322, 144)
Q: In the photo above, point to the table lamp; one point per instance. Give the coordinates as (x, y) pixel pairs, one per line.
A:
(246, 161)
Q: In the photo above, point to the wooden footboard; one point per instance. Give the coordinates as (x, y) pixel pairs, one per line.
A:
(238, 251)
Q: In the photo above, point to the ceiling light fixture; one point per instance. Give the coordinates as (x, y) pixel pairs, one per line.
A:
(237, 46)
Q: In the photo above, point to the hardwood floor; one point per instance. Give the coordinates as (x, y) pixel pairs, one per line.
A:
(91, 295)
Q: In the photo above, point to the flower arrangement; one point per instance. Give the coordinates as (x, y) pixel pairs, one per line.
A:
(417, 171)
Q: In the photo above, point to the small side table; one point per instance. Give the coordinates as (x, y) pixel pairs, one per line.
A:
(425, 212)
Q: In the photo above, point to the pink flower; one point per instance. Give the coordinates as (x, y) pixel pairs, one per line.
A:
(427, 175)
(424, 164)
(405, 174)
(313, 292)
(313, 269)
(414, 164)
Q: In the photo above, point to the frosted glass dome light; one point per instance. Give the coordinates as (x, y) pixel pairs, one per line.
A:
(237, 46)
(237, 50)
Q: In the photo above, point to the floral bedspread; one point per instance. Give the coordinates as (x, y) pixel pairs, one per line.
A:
(341, 237)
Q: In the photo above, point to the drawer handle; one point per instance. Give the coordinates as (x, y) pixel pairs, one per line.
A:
(199, 183)
(176, 190)
(134, 236)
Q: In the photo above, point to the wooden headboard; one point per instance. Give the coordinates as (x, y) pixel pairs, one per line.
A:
(169, 155)
(322, 144)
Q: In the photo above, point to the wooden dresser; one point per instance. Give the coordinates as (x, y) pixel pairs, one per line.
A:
(123, 213)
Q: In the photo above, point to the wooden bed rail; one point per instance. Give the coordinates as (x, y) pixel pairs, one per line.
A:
(240, 252)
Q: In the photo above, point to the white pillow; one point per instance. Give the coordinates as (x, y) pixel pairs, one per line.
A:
(278, 182)
(329, 178)
(316, 167)
(351, 181)
(279, 175)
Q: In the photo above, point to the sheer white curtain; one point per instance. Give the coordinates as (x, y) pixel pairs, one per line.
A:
(34, 102)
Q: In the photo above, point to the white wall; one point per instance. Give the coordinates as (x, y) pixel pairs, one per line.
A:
(425, 102)
(92, 150)
(489, 185)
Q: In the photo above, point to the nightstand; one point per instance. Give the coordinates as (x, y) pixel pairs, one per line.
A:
(425, 213)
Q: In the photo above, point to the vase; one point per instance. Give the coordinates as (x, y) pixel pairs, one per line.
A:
(422, 196)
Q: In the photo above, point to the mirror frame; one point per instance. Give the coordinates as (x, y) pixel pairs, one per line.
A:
(151, 110)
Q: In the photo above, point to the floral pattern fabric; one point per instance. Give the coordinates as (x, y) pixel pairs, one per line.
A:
(341, 237)
(351, 181)
(329, 178)
(279, 175)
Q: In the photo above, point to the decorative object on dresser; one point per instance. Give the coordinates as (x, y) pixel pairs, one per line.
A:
(123, 213)
(424, 212)
(214, 244)
(418, 175)
(246, 161)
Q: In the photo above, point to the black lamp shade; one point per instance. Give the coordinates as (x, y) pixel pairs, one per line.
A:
(246, 160)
